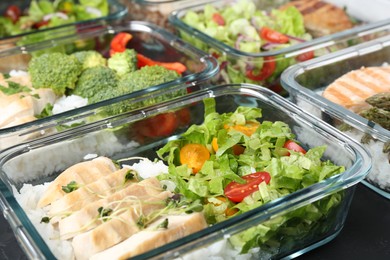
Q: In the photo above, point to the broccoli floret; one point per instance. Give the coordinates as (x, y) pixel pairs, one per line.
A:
(123, 62)
(56, 70)
(145, 77)
(90, 59)
(95, 81)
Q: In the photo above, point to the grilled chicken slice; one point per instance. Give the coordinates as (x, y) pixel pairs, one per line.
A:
(321, 18)
(88, 217)
(82, 173)
(84, 195)
(153, 237)
(352, 89)
(118, 228)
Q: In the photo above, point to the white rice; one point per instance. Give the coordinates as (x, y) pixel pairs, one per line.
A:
(17, 73)
(66, 103)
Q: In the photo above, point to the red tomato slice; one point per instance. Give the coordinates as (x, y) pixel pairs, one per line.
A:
(218, 18)
(161, 125)
(305, 56)
(183, 116)
(13, 12)
(236, 192)
(273, 36)
(291, 145)
(266, 71)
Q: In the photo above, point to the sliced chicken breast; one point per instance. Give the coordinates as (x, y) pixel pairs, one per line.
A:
(88, 217)
(82, 173)
(118, 228)
(153, 237)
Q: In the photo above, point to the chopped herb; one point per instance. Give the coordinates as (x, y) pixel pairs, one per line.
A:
(13, 88)
(163, 225)
(45, 220)
(46, 111)
(104, 212)
(6, 75)
(72, 186)
(141, 222)
(164, 187)
(36, 96)
(129, 175)
(116, 163)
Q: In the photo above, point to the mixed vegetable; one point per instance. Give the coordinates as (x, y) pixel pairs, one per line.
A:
(241, 25)
(42, 14)
(232, 163)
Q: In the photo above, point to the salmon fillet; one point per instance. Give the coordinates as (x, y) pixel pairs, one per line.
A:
(321, 18)
(153, 237)
(81, 173)
(352, 89)
(117, 229)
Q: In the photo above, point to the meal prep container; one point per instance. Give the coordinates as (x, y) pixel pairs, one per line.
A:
(117, 11)
(43, 159)
(155, 11)
(375, 23)
(306, 81)
(148, 39)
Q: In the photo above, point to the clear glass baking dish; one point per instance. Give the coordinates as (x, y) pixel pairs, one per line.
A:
(41, 160)
(148, 39)
(306, 81)
(236, 64)
(116, 11)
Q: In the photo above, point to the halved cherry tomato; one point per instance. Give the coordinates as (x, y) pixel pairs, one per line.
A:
(236, 192)
(266, 71)
(13, 12)
(291, 145)
(40, 24)
(248, 129)
(273, 36)
(194, 155)
(305, 56)
(160, 125)
(228, 211)
(218, 18)
(237, 149)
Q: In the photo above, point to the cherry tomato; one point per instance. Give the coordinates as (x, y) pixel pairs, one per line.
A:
(291, 145)
(218, 18)
(13, 12)
(194, 155)
(273, 36)
(160, 125)
(305, 56)
(183, 116)
(39, 24)
(266, 71)
(248, 129)
(236, 192)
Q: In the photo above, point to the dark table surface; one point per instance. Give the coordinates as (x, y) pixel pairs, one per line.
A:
(366, 234)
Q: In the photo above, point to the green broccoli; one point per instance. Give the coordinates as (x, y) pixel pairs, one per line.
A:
(94, 81)
(90, 59)
(56, 70)
(123, 62)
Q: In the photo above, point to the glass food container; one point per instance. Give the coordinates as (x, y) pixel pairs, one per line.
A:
(116, 11)
(149, 40)
(41, 160)
(305, 83)
(238, 50)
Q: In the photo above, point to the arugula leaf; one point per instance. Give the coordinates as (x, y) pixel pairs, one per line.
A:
(13, 88)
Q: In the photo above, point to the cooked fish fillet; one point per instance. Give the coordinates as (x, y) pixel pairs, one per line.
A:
(321, 18)
(87, 218)
(84, 195)
(117, 229)
(352, 89)
(81, 173)
(153, 237)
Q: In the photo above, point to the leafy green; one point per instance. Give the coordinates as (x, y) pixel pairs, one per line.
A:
(13, 88)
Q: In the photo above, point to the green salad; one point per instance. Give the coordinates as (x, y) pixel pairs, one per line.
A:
(250, 31)
(233, 163)
(42, 14)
